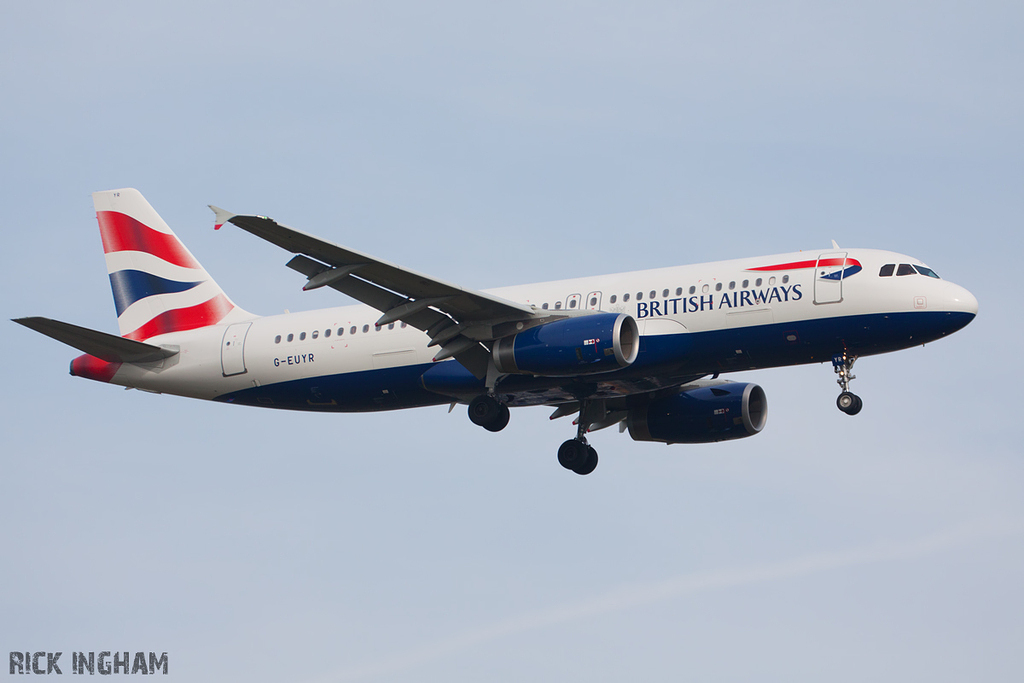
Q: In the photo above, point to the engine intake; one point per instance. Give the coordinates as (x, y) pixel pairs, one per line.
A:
(703, 414)
(582, 345)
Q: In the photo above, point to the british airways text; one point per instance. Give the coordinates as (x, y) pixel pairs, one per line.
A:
(712, 302)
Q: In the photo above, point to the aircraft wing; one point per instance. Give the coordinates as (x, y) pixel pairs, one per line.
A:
(455, 318)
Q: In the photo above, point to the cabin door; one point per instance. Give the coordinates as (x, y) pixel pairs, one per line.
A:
(828, 277)
(232, 358)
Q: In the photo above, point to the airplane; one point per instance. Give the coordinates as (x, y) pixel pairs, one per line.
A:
(643, 350)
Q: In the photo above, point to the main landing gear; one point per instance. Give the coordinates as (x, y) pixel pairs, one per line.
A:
(847, 402)
(576, 454)
(489, 413)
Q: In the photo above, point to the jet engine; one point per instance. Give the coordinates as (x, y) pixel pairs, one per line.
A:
(583, 345)
(705, 413)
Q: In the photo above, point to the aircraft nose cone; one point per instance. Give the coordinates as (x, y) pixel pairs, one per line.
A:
(964, 301)
(960, 307)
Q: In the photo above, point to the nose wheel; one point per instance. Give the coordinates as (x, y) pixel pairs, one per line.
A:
(847, 402)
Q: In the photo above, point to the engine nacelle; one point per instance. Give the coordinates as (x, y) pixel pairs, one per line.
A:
(703, 414)
(582, 345)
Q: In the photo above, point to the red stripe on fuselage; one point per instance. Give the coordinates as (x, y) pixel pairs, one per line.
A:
(202, 315)
(811, 264)
(121, 232)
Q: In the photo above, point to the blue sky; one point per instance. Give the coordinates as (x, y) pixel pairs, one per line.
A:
(492, 146)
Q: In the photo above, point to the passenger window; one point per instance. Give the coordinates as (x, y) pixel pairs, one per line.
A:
(572, 303)
(927, 272)
(391, 326)
(341, 331)
(771, 280)
(693, 289)
(593, 301)
(679, 291)
(639, 296)
(757, 282)
(353, 330)
(544, 306)
(302, 336)
(277, 339)
(316, 333)
(653, 294)
(785, 279)
(905, 269)
(558, 305)
(887, 270)
(664, 294)
(625, 298)
(366, 328)
(718, 286)
(612, 299)
(746, 283)
(704, 289)
(732, 285)
(291, 336)
(404, 325)
(377, 328)
(327, 332)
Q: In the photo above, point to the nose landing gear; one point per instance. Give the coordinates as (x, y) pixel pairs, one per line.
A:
(847, 402)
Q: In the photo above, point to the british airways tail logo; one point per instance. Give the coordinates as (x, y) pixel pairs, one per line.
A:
(158, 285)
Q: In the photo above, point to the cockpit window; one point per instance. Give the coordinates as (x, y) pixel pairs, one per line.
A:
(927, 271)
(886, 270)
(905, 269)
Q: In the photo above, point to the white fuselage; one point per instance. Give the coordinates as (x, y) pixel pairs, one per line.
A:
(683, 300)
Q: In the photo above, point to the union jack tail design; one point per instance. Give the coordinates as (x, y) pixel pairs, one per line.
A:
(158, 286)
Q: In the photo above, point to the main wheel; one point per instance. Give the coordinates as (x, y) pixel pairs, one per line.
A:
(590, 464)
(500, 421)
(572, 454)
(484, 410)
(849, 403)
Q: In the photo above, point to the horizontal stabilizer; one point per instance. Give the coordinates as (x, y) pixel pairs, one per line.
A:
(108, 347)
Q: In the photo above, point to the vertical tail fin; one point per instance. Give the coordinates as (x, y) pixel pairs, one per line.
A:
(158, 286)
